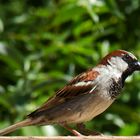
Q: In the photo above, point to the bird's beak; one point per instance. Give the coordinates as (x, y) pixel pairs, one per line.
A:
(137, 65)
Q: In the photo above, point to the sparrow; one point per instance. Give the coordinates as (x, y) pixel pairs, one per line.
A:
(85, 96)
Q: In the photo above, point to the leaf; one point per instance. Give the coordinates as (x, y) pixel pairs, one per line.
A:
(11, 56)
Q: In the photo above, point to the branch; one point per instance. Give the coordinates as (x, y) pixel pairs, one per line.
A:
(71, 138)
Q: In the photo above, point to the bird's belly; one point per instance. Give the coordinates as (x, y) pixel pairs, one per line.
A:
(79, 110)
(94, 109)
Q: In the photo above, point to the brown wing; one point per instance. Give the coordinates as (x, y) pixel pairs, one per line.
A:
(90, 75)
(70, 91)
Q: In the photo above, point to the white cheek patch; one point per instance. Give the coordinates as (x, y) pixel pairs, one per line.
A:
(118, 63)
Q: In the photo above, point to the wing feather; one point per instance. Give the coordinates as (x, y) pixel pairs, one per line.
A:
(70, 91)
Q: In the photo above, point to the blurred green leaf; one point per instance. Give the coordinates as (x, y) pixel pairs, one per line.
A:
(43, 44)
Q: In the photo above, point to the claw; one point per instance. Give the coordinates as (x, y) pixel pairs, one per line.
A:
(74, 132)
(86, 131)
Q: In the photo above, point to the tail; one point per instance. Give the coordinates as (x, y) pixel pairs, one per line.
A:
(16, 126)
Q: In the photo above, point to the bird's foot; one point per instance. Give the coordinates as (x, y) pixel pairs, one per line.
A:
(74, 132)
(86, 131)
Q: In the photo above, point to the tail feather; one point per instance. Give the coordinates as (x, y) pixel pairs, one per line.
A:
(13, 127)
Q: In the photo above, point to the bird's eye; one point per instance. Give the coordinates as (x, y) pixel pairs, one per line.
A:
(127, 56)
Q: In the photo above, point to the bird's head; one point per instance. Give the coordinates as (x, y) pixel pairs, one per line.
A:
(125, 62)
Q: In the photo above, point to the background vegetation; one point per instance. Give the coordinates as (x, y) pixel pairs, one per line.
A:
(44, 43)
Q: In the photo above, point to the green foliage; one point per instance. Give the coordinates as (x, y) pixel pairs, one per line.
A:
(43, 44)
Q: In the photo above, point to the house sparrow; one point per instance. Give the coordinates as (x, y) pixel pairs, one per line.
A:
(85, 96)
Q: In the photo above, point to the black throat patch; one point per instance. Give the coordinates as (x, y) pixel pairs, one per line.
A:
(115, 88)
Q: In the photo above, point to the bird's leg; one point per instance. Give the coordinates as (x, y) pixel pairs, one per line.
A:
(74, 132)
(82, 128)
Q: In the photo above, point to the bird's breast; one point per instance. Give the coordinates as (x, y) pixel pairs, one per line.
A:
(94, 106)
